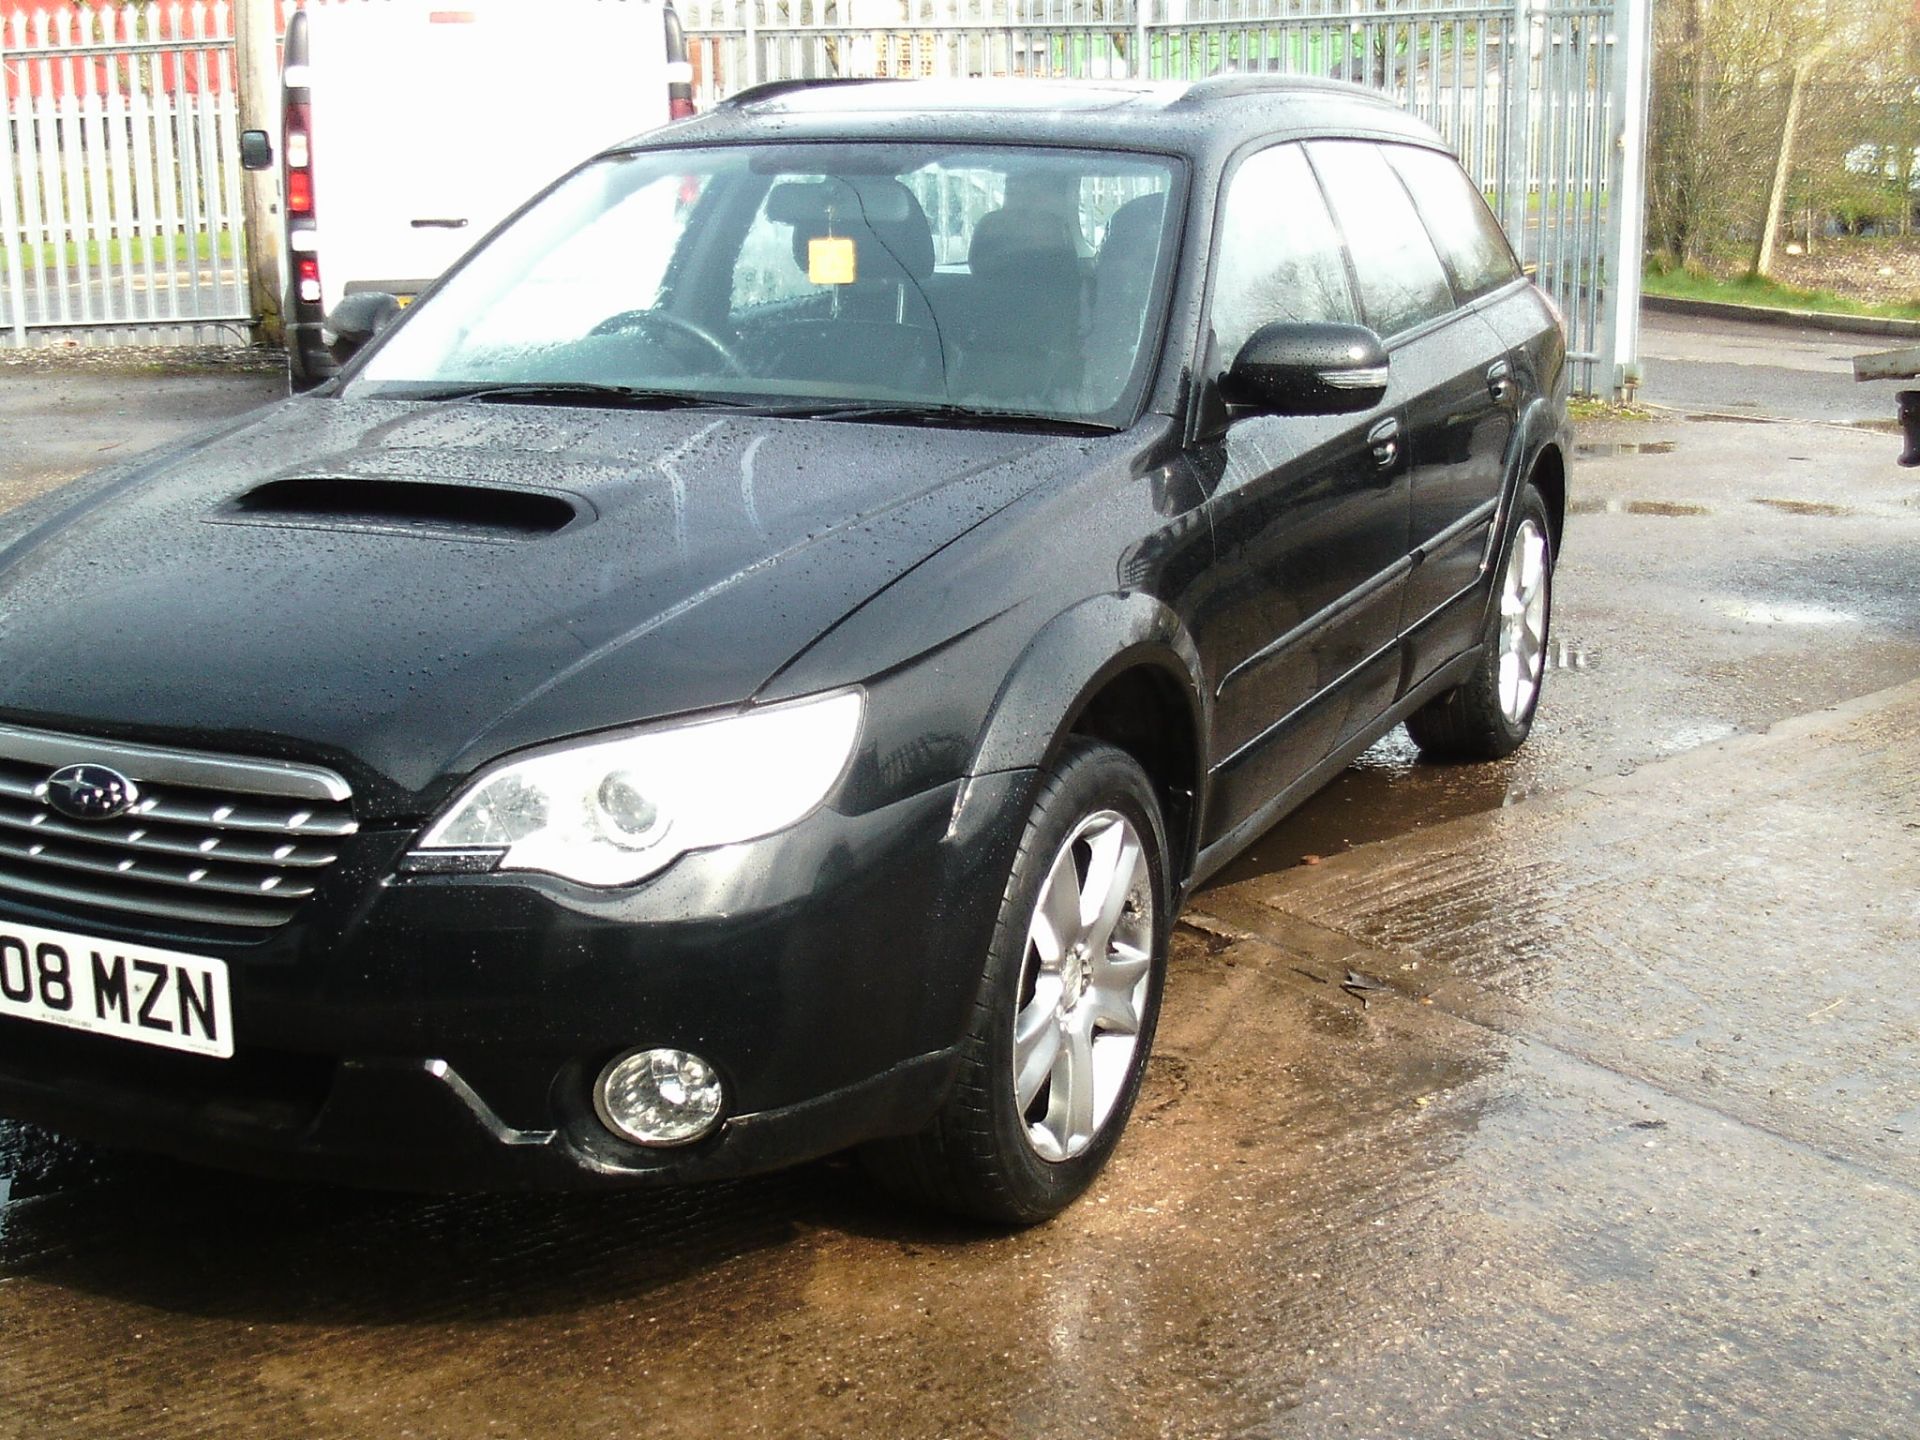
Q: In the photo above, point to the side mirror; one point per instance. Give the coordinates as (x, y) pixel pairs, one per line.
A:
(357, 319)
(256, 150)
(1318, 369)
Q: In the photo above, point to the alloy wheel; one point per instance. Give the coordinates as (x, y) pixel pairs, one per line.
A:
(1083, 985)
(1523, 621)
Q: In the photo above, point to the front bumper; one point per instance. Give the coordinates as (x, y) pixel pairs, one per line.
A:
(442, 1032)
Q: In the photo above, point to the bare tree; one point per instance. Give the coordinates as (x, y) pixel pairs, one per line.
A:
(1803, 69)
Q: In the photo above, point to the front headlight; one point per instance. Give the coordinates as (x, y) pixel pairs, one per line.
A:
(610, 812)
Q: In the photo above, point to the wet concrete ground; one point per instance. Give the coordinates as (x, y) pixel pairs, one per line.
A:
(1626, 1146)
(65, 415)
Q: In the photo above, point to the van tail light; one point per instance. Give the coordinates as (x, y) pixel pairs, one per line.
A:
(298, 141)
(296, 151)
(680, 104)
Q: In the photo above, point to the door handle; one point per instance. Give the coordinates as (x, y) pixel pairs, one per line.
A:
(1384, 440)
(1499, 380)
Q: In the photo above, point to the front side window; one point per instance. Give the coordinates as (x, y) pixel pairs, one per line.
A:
(1458, 219)
(1279, 252)
(1402, 282)
(996, 279)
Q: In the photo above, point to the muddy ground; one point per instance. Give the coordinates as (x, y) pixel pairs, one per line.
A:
(1618, 1134)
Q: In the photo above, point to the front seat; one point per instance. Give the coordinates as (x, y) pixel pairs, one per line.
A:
(878, 330)
(1122, 277)
(1021, 324)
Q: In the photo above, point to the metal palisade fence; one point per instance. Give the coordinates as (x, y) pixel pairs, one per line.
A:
(120, 182)
(119, 190)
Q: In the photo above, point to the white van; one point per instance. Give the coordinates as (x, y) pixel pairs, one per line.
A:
(412, 127)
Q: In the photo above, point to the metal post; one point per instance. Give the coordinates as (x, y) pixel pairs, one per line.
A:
(1626, 239)
(1516, 95)
(12, 233)
(1140, 57)
(748, 11)
(257, 80)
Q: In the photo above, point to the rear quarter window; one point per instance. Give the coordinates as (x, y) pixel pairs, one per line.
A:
(1469, 238)
(1401, 280)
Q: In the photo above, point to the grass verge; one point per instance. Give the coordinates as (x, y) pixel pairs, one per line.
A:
(117, 251)
(1588, 407)
(1750, 290)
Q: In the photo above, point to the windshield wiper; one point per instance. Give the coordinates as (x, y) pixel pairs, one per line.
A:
(936, 413)
(586, 392)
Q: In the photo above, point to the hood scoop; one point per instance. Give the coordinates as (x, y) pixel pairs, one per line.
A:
(487, 514)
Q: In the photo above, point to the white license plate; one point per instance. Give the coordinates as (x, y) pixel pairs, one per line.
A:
(131, 992)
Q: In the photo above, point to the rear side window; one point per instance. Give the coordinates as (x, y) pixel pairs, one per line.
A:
(1470, 239)
(1279, 252)
(1402, 282)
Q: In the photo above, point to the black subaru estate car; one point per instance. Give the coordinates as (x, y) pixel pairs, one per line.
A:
(750, 665)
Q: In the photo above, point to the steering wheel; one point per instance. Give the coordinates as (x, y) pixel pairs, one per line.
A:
(642, 319)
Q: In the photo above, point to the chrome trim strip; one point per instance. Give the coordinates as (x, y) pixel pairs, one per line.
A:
(502, 1133)
(270, 888)
(1371, 379)
(209, 817)
(225, 849)
(178, 767)
(198, 912)
(451, 862)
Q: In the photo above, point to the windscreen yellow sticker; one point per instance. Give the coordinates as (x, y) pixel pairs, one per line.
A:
(831, 260)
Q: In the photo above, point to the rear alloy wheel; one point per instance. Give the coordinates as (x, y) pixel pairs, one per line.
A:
(1489, 714)
(1064, 1021)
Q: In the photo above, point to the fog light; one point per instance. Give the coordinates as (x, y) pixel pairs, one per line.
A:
(658, 1097)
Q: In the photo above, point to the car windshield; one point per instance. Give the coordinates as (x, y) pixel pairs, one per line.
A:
(920, 280)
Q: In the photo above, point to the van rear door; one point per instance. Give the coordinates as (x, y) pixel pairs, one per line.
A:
(434, 119)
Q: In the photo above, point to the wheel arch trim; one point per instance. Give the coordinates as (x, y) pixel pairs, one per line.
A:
(1069, 663)
(1542, 429)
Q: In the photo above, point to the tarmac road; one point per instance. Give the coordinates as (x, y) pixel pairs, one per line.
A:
(1628, 1145)
(1737, 367)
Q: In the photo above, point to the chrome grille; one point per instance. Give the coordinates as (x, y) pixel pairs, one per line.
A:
(211, 839)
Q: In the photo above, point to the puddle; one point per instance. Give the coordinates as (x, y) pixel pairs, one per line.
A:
(1597, 449)
(1758, 612)
(1386, 792)
(1807, 507)
(1617, 506)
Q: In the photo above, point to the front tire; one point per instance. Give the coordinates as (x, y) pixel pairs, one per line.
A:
(1490, 714)
(1061, 1029)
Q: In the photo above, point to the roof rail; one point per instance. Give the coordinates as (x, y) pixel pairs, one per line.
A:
(773, 89)
(1267, 82)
